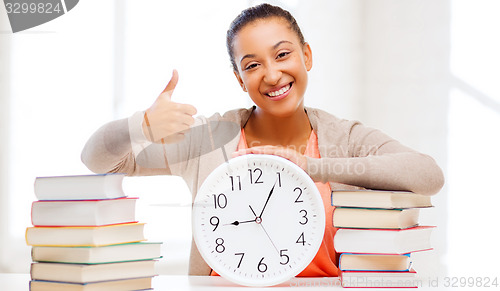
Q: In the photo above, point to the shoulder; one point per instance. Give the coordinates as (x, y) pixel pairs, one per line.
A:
(322, 121)
(239, 115)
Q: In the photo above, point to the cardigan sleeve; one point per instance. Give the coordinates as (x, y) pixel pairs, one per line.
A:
(121, 147)
(111, 148)
(376, 161)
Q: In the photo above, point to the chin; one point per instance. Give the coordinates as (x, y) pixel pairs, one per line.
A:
(284, 110)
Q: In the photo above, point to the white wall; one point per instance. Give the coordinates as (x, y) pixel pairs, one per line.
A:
(335, 34)
(406, 47)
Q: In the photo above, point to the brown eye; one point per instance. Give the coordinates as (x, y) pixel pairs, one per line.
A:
(251, 66)
(282, 55)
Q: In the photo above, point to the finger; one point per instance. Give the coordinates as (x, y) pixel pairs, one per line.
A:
(186, 119)
(267, 150)
(277, 151)
(239, 153)
(171, 84)
(187, 109)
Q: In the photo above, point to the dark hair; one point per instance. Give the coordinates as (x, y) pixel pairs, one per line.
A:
(251, 14)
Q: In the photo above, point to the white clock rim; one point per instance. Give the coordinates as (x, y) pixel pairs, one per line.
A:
(230, 276)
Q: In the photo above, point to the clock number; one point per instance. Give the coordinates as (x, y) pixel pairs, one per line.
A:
(301, 239)
(220, 248)
(282, 255)
(305, 216)
(241, 259)
(251, 176)
(279, 179)
(220, 201)
(214, 221)
(261, 266)
(298, 197)
(232, 182)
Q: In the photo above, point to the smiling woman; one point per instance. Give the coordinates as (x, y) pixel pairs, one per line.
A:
(271, 63)
(384, 62)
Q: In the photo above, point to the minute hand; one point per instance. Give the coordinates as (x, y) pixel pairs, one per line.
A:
(268, 196)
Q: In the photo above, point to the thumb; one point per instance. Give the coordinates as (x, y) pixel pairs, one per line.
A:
(169, 90)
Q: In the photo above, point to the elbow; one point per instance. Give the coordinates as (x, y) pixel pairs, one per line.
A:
(433, 184)
(87, 161)
(430, 177)
(92, 162)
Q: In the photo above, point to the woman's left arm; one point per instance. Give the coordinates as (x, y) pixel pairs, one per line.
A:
(373, 161)
(377, 161)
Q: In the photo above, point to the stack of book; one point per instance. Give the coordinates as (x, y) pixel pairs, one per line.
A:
(85, 236)
(377, 232)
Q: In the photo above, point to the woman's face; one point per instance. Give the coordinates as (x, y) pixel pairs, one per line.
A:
(272, 65)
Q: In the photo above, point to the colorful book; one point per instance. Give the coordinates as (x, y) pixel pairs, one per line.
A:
(81, 273)
(379, 199)
(375, 218)
(83, 212)
(98, 255)
(85, 235)
(116, 285)
(389, 279)
(80, 187)
(374, 262)
(383, 241)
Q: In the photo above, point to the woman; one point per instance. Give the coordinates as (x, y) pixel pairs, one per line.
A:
(271, 61)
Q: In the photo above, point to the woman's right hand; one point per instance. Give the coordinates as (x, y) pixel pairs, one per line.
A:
(165, 120)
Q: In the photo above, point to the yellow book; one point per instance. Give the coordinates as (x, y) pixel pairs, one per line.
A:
(73, 236)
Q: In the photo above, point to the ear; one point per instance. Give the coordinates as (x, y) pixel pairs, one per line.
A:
(238, 77)
(308, 60)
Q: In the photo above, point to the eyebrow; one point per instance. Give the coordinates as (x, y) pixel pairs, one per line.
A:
(274, 47)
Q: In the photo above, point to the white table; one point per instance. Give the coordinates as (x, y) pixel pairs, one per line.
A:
(19, 282)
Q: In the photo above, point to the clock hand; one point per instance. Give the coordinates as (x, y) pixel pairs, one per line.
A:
(252, 210)
(269, 196)
(240, 222)
(269, 238)
(259, 221)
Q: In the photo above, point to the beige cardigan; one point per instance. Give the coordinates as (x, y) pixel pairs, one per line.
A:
(352, 155)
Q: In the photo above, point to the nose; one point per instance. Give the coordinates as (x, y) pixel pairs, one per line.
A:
(272, 74)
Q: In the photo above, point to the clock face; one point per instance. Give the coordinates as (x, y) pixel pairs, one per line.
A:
(258, 220)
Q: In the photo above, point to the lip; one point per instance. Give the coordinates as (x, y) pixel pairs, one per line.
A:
(279, 97)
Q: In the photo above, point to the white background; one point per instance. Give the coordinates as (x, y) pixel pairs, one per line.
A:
(425, 72)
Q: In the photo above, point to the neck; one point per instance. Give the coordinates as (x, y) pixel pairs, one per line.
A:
(263, 128)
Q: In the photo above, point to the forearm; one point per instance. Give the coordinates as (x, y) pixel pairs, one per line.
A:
(114, 147)
(106, 149)
(405, 171)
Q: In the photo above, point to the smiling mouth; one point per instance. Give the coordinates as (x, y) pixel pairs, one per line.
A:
(280, 92)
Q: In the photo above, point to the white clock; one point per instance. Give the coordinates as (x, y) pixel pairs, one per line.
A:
(258, 220)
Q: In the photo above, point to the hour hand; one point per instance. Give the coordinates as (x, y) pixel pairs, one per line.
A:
(236, 223)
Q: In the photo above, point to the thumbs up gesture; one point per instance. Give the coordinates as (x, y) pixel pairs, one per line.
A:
(165, 120)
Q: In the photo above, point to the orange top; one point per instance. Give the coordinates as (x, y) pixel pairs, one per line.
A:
(324, 263)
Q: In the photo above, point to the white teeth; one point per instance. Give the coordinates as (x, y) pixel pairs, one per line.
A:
(279, 92)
